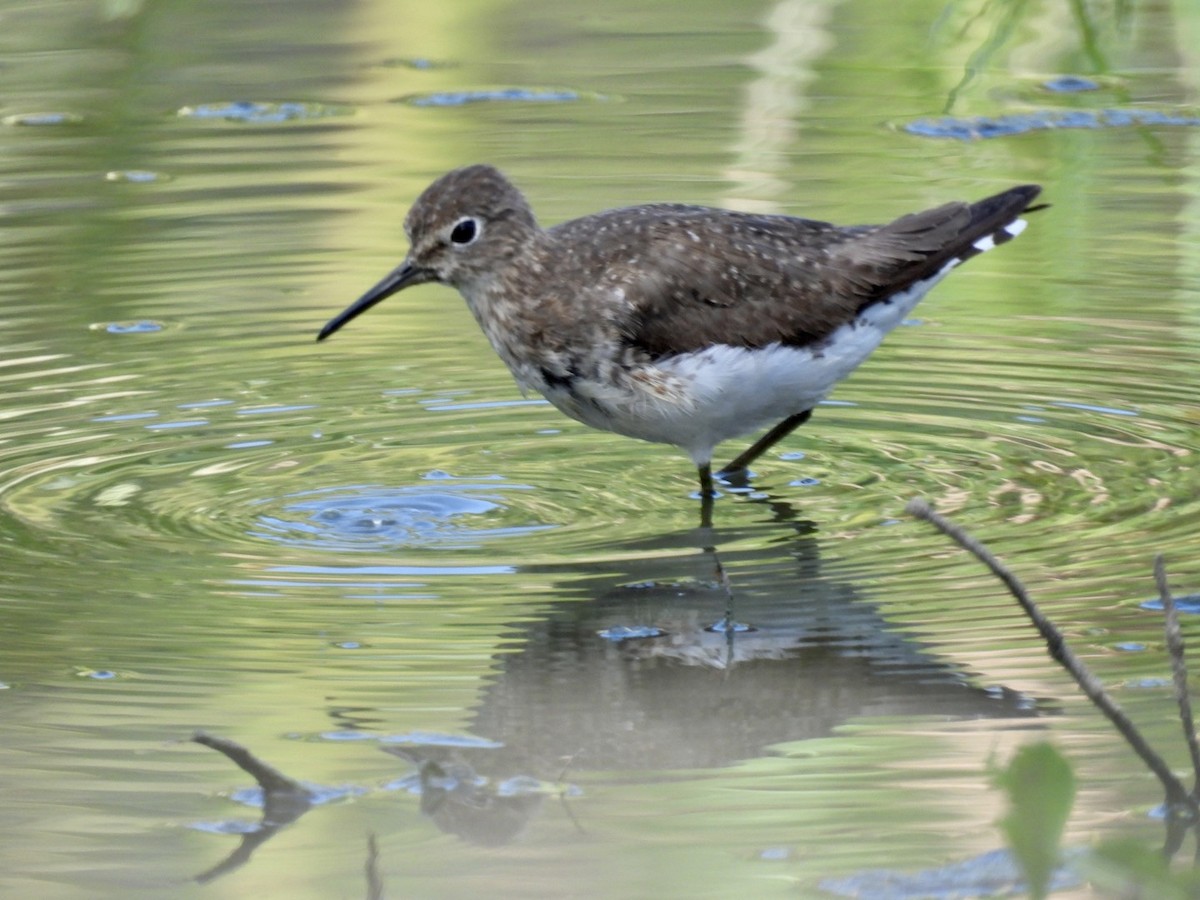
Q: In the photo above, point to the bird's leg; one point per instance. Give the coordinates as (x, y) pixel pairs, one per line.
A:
(707, 495)
(765, 443)
(708, 545)
(726, 624)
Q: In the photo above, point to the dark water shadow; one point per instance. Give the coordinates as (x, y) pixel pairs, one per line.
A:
(648, 667)
(658, 669)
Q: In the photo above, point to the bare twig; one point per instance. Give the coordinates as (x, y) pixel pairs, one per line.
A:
(284, 801)
(568, 761)
(1178, 667)
(270, 779)
(374, 880)
(1177, 797)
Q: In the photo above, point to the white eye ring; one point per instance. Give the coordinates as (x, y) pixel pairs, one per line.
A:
(466, 231)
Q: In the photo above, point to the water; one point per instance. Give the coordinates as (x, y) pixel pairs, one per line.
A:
(208, 521)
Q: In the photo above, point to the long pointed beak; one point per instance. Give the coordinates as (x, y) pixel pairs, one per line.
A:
(404, 275)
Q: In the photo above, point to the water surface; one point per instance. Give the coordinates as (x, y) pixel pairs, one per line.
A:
(208, 521)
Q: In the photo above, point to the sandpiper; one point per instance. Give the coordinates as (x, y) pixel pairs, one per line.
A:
(681, 324)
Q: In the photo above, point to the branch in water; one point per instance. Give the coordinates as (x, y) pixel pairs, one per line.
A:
(1178, 667)
(270, 779)
(1177, 795)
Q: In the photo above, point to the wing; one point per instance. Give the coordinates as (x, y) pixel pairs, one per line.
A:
(741, 280)
(694, 277)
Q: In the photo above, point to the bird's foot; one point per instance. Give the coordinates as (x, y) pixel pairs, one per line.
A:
(735, 478)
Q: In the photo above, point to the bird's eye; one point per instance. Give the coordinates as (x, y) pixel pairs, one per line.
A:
(464, 232)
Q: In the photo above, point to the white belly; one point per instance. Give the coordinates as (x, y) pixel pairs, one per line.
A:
(697, 400)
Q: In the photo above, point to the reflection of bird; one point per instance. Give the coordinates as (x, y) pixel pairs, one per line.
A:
(682, 324)
(462, 802)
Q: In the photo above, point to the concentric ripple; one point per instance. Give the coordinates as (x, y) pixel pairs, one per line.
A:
(262, 467)
(374, 517)
(138, 478)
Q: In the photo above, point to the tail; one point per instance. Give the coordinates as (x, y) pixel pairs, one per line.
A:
(996, 220)
(925, 245)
